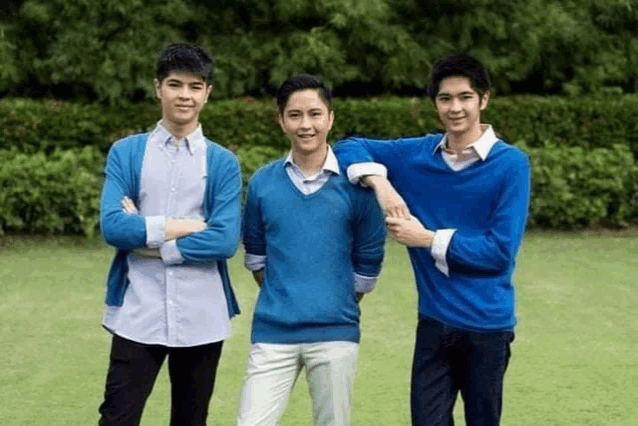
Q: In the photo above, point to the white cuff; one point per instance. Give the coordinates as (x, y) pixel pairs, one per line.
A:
(363, 284)
(359, 170)
(254, 262)
(155, 231)
(440, 245)
(170, 253)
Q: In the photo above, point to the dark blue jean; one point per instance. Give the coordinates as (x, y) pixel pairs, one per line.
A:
(448, 361)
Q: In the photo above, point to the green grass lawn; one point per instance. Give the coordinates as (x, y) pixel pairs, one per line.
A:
(575, 357)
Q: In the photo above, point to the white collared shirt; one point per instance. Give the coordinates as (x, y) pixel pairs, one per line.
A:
(169, 303)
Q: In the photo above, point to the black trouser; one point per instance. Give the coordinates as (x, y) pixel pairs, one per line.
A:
(133, 368)
(447, 361)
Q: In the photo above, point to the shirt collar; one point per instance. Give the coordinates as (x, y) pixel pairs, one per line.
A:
(194, 141)
(482, 146)
(330, 165)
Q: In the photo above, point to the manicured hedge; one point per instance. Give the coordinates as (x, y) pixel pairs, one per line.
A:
(571, 188)
(32, 126)
(583, 152)
(52, 194)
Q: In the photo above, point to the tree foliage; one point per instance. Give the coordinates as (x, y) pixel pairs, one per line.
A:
(104, 49)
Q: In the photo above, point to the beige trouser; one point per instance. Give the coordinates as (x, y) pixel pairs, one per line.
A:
(274, 368)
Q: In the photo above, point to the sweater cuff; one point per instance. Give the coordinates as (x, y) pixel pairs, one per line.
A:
(359, 170)
(440, 246)
(363, 284)
(254, 262)
(170, 253)
(155, 231)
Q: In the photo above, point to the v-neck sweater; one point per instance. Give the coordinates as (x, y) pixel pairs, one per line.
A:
(486, 203)
(313, 243)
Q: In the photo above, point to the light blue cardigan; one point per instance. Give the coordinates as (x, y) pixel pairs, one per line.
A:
(126, 232)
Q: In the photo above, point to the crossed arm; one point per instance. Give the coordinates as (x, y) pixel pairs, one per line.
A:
(175, 228)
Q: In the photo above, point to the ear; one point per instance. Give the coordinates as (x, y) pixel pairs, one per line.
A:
(331, 119)
(158, 86)
(484, 100)
(209, 90)
(280, 119)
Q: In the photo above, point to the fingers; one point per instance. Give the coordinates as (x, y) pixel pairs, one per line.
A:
(128, 206)
(398, 211)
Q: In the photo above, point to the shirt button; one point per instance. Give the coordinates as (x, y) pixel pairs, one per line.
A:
(173, 189)
(170, 273)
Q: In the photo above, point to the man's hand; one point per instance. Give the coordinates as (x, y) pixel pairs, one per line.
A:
(177, 228)
(389, 199)
(128, 206)
(410, 233)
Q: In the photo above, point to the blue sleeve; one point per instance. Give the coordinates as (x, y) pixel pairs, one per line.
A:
(253, 226)
(119, 229)
(369, 235)
(220, 238)
(360, 150)
(496, 251)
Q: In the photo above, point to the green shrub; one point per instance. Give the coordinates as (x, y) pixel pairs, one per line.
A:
(58, 193)
(52, 153)
(573, 187)
(33, 126)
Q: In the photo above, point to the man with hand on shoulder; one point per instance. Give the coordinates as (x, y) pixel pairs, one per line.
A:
(459, 201)
(171, 208)
(315, 245)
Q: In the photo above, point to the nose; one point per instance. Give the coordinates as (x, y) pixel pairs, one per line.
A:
(305, 122)
(455, 105)
(184, 93)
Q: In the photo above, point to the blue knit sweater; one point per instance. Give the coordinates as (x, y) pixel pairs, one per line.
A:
(313, 246)
(126, 232)
(487, 203)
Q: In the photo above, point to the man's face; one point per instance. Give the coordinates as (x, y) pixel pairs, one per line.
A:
(458, 105)
(182, 95)
(306, 121)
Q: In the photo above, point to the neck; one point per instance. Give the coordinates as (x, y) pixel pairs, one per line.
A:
(180, 131)
(459, 141)
(310, 163)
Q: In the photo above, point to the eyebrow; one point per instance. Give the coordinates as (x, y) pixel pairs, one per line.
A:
(467, 92)
(174, 80)
(298, 110)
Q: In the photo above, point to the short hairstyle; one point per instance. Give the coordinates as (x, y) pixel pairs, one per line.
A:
(302, 82)
(179, 57)
(459, 65)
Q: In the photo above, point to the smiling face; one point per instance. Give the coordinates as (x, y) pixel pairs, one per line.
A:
(306, 120)
(182, 95)
(459, 106)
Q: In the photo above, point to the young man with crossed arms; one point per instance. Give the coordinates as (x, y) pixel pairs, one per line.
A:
(171, 208)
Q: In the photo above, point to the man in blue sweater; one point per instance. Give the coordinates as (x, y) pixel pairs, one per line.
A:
(315, 244)
(171, 208)
(459, 201)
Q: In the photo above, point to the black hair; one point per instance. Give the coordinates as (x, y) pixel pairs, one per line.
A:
(302, 82)
(459, 65)
(178, 57)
